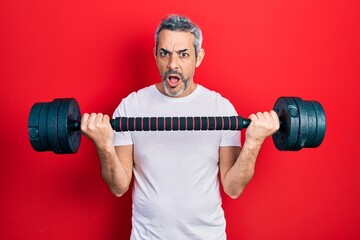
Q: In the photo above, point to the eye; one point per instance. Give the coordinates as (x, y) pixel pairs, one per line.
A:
(184, 55)
(163, 53)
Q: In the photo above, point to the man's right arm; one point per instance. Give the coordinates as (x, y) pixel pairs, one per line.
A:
(116, 162)
(116, 168)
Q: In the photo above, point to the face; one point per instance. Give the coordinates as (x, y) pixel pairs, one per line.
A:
(176, 61)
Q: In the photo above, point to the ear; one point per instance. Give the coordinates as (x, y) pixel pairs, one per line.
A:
(154, 51)
(200, 57)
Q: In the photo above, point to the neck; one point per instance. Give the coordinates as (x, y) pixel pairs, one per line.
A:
(191, 88)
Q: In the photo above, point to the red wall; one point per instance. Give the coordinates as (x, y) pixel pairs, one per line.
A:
(100, 51)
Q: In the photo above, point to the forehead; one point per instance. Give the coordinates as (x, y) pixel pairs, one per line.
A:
(176, 40)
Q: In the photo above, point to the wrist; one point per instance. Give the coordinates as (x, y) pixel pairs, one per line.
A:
(253, 143)
(105, 147)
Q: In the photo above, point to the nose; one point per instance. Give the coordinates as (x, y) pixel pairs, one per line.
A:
(173, 63)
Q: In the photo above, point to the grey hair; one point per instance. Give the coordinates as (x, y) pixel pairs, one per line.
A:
(183, 24)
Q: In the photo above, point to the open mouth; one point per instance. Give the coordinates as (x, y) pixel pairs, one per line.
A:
(173, 80)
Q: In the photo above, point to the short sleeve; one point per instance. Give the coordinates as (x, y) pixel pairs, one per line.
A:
(121, 138)
(230, 138)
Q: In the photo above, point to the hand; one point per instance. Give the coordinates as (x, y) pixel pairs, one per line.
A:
(97, 128)
(262, 126)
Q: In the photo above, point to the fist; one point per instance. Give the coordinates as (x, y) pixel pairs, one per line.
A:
(262, 126)
(97, 128)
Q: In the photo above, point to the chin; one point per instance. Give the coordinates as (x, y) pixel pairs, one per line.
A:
(174, 93)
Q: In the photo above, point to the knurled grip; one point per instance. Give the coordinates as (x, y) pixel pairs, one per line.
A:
(121, 124)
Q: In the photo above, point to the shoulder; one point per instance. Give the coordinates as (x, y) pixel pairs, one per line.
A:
(214, 98)
(140, 94)
(133, 100)
(214, 95)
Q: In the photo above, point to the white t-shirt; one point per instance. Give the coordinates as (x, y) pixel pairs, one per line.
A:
(176, 185)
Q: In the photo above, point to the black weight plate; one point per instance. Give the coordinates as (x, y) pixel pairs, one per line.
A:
(321, 124)
(304, 123)
(69, 113)
(33, 127)
(43, 120)
(63, 129)
(75, 116)
(287, 136)
(52, 126)
(312, 124)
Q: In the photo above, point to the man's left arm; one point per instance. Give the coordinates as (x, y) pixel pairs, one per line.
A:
(237, 165)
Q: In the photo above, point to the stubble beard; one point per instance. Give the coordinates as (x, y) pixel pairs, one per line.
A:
(170, 91)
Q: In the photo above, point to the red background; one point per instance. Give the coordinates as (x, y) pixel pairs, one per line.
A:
(100, 51)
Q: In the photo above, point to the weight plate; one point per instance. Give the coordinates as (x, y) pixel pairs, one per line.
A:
(303, 123)
(63, 130)
(287, 136)
(33, 127)
(43, 120)
(52, 126)
(312, 124)
(321, 124)
(69, 137)
(75, 117)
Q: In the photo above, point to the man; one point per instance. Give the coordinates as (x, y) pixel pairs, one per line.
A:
(176, 186)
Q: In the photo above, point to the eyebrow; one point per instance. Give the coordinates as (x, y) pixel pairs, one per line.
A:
(179, 51)
(182, 50)
(164, 50)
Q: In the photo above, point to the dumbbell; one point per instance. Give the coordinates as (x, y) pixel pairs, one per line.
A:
(55, 126)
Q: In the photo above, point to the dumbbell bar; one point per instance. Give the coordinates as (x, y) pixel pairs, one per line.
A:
(178, 123)
(55, 126)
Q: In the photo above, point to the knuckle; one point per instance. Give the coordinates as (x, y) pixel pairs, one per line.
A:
(91, 126)
(83, 128)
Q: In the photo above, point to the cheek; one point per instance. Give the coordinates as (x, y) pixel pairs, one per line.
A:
(160, 67)
(189, 68)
